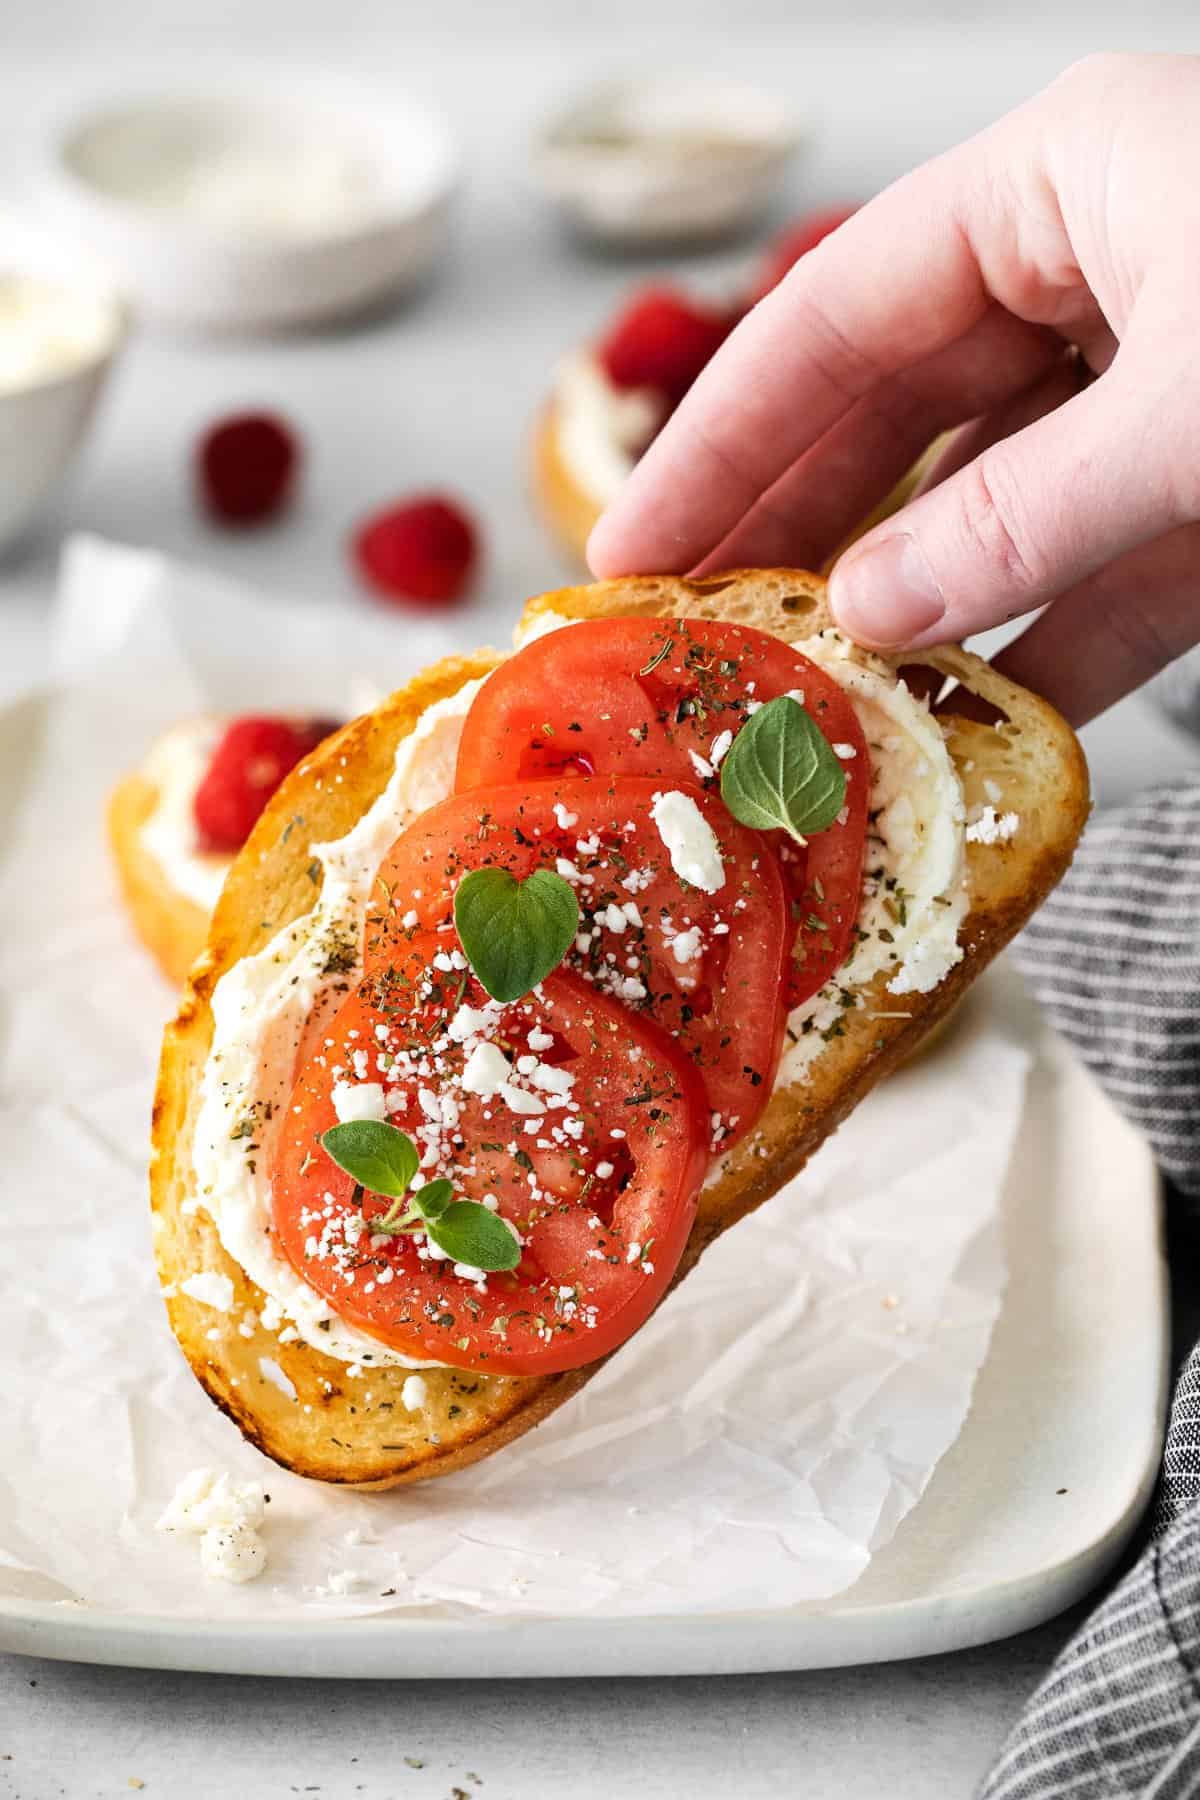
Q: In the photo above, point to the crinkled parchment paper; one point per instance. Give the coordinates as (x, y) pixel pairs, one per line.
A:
(752, 1447)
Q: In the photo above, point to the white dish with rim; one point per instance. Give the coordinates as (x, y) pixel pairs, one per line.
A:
(683, 158)
(1029, 1509)
(241, 212)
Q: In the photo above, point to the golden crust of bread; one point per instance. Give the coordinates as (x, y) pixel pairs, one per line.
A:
(570, 511)
(354, 1429)
(170, 924)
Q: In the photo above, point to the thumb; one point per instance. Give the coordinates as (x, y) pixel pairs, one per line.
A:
(1030, 516)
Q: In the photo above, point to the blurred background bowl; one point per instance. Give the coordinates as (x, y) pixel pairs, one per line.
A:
(679, 159)
(49, 391)
(237, 213)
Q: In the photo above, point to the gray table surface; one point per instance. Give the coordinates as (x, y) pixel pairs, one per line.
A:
(441, 393)
(912, 1730)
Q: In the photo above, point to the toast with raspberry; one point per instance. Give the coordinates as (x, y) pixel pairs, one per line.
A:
(176, 822)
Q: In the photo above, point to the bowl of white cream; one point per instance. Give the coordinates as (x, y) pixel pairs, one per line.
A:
(58, 339)
(247, 213)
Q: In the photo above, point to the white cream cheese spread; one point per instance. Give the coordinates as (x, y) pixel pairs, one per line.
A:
(175, 768)
(914, 900)
(260, 1011)
(601, 428)
(914, 892)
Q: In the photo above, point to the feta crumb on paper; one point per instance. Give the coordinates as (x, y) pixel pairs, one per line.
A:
(225, 1515)
(232, 1553)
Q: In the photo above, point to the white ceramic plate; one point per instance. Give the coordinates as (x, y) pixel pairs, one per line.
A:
(1028, 1510)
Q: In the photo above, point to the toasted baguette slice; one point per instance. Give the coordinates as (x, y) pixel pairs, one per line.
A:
(355, 1429)
(570, 511)
(173, 926)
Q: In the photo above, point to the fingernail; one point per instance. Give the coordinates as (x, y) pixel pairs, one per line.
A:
(886, 594)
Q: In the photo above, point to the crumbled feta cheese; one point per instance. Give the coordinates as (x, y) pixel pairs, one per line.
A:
(232, 1553)
(471, 1021)
(271, 1371)
(411, 919)
(359, 1100)
(271, 1315)
(341, 1582)
(554, 1081)
(565, 819)
(486, 1070)
(690, 839)
(225, 1516)
(687, 945)
(208, 1497)
(210, 1289)
(846, 752)
(414, 1393)
(518, 1101)
(985, 826)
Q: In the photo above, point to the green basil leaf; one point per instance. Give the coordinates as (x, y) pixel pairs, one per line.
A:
(780, 773)
(514, 932)
(380, 1157)
(432, 1200)
(473, 1235)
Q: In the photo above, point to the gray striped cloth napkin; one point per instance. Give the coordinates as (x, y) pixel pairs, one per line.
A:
(1114, 956)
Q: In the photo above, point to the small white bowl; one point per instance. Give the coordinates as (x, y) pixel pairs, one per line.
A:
(72, 332)
(684, 158)
(241, 213)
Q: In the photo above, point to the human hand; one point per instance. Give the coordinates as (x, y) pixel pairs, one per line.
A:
(952, 299)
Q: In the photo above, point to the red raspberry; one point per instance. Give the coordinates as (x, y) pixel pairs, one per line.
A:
(245, 467)
(247, 766)
(423, 549)
(662, 340)
(795, 242)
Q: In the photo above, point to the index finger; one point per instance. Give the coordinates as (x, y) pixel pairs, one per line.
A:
(898, 281)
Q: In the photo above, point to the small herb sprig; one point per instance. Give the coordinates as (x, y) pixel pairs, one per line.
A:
(514, 932)
(780, 772)
(383, 1160)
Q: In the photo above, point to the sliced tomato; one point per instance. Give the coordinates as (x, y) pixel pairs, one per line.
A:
(708, 968)
(656, 697)
(594, 1152)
